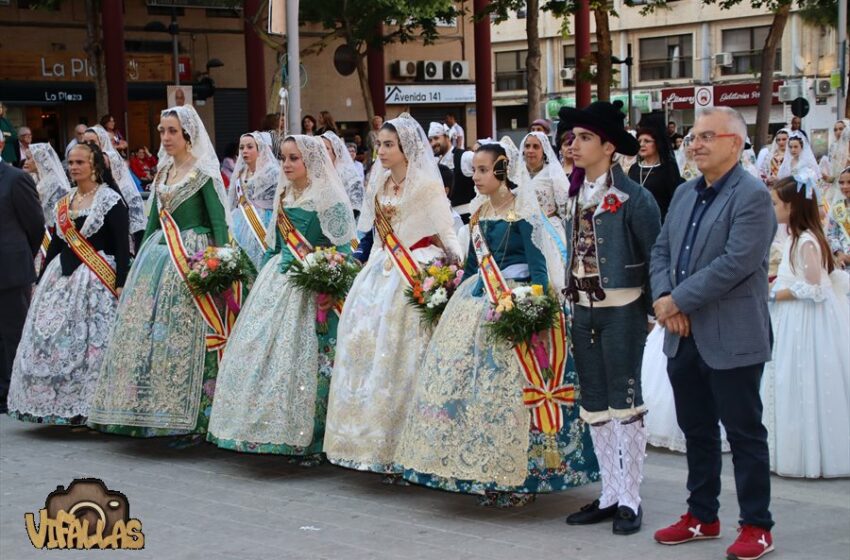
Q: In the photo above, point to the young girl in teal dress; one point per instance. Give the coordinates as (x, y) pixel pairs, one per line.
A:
(468, 429)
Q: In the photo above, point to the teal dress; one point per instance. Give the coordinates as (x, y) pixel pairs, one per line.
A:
(158, 378)
(468, 430)
(274, 378)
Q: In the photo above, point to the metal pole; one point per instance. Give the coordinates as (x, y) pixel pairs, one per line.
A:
(630, 66)
(175, 30)
(293, 64)
(842, 56)
(484, 114)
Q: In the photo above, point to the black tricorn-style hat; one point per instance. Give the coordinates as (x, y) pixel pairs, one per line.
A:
(603, 118)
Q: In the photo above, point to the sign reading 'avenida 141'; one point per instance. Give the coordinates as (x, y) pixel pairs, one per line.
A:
(419, 94)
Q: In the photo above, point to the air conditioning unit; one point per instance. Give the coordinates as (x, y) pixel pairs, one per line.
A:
(404, 68)
(568, 73)
(823, 87)
(723, 59)
(431, 70)
(456, 69)
(789, 92)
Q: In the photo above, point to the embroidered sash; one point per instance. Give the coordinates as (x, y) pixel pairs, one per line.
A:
(81, 247)
(220, 327)
(251, 216)
(543, 398)
(398, 253)
(45, 242)
(297, 244)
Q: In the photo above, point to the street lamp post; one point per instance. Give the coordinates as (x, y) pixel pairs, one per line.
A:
(629, 62)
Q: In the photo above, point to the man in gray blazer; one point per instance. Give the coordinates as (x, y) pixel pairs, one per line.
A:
(709, 281)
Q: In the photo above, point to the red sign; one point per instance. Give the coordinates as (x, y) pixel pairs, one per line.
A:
(185, 67)
(727, 95)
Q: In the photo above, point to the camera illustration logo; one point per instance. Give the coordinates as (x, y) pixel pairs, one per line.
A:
(86, 515)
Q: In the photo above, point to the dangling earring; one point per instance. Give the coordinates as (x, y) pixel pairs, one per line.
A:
(504, 187)
(94, 177)
(189, 146)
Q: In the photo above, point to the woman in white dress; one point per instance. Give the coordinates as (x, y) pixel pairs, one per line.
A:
(771, 162)
(57, 366)
(806, 389)
(121, 173)
(835, 161)
(352, 178)
(251, 194)
(798, 157)
(272, 387)
(540, 167)
(381, 338)
(52, 184)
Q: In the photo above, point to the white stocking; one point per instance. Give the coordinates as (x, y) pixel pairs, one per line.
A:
(632, 440)
(608, 454)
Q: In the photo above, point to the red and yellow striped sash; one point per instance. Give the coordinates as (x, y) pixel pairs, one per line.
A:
(81, 247)
(251, 216)
(543, 398)
(217, 339)
(297, 244)
(398, 253)
(45, 242)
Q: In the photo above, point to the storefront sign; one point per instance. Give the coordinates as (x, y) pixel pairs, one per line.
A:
(724, 95)
(641, 100)
(47, 92)
(420, 94)
(75, 67)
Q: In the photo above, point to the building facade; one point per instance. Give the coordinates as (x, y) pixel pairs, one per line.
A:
(685, 57)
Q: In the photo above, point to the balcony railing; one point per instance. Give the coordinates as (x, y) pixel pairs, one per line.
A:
(666, 68)
(511, 81)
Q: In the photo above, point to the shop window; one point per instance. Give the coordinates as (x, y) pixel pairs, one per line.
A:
(511, 74)
(666, 58)
(746, 45)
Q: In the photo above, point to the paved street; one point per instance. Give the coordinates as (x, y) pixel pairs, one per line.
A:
(205, 503)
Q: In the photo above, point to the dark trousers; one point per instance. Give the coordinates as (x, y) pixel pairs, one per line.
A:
(703, 396)
(14, 303)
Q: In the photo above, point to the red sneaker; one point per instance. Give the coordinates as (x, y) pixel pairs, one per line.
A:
(752, 542)
(688, 529)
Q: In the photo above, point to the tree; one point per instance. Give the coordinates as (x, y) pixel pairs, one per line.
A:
(93, 47)
(375, 23)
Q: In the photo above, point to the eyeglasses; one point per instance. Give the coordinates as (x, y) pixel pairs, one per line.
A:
(646, 141)
(706, 137)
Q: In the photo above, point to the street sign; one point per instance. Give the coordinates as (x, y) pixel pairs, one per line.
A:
(800, 107)
(419, 94)
(704, 97)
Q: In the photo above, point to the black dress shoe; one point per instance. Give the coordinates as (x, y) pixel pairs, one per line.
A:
(627, 521)
(591, 513)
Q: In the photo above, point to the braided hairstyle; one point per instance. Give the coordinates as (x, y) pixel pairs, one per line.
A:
(98, 161)
(500, 162)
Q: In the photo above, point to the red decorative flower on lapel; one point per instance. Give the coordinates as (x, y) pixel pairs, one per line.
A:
(611, 203)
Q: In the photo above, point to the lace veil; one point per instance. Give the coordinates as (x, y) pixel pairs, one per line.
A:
(424, 206)
(552, 172)
(266, 170)
(838, 150)
(121, 174)
(53, 184)
(351, 179)
(325, 195)
(206, 160)
(806, 159)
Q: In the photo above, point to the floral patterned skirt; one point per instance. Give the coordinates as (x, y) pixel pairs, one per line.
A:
(468, 430)
(272, 388)
(158, 378)
(65, 336)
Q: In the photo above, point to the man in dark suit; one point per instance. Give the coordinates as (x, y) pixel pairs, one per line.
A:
(21, 230)
(709, 279)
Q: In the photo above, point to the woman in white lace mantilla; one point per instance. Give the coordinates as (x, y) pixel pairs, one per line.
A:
(52, 184)
(121, 173)
(251, 194)
(806, 388)
(468, 429)
(158, 375)
(835, 161)
(272, 387)
(540, 167)
(64, 340)
(381, 339)
(352, 178)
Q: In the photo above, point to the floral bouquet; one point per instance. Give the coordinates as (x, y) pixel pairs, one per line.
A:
(520, 316)
(327, 273)
(214, 270)
(432, 288)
